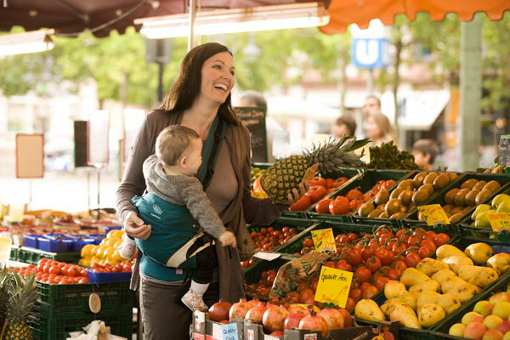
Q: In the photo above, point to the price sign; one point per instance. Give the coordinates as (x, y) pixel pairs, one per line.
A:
(323, 239)
(499, 220)
(433, 214)
(226, 332)
(333, 287)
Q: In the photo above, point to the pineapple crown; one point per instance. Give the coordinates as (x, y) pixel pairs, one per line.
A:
(332, 154)
(21, 296)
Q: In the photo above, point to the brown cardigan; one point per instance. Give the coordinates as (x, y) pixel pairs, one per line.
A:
(243, 209)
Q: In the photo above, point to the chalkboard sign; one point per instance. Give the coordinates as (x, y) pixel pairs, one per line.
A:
(254, 118)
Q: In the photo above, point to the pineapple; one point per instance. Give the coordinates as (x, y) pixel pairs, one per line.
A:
(22, 295)
(287, 173)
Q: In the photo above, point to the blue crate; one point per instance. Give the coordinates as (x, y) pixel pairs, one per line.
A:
(112, 227)
(108, 277)
(31, 241)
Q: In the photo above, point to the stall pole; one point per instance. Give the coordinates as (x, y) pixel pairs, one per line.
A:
(470, 93)
(192, 17)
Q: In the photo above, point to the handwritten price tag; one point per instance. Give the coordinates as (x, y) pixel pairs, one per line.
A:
(333, 287)
(499, 221)
(323, 239)
(433, 214)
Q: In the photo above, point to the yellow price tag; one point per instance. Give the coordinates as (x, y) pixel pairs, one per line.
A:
(499, 220)
(323, 239)
(433, 214)
(333, 287)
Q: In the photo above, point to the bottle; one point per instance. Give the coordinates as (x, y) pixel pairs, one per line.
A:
(504, 151)
(5, 248)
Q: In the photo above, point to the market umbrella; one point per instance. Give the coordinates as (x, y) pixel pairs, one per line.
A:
(345, 12)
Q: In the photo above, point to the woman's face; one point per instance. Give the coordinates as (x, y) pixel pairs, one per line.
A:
(218, 77)
(372, 130)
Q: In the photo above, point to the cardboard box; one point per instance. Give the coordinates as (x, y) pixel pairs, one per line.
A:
(204, 329)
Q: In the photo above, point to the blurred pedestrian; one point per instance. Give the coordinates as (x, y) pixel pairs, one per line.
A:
(371, 106)
(378, 129)
(345, 126)
(425, 152)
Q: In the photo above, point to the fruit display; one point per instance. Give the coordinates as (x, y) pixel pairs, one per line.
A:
(104, 253)
(319, 188)
(287, 173)
(407, 196)
(471, 192)
(388, 156)
(425, 295)
(18, 296)
(60, 273)
(480, 217)
(256, 172)
(25, 271)
(271, 237)
(488, 319)
(496, 169)
(276, 318)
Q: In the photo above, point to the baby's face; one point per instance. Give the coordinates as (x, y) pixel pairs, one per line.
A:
(193, 157)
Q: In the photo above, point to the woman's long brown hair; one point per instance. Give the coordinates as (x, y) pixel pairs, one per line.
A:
(187, 86)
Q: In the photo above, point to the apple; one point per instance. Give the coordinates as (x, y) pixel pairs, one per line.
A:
(502, 296)
(502, 309)
(474, 330)
(493, 334)
(457, 329)
(483, 307)
(470, 317)
(504, 327)
(492, 321)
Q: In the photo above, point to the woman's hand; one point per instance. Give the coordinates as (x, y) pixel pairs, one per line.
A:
(135, 227)
(296, 193)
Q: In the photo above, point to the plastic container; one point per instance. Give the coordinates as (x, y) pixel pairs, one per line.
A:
(31, 241)
(76, 297)
(97, 278)
(32, 256)
(48, 325)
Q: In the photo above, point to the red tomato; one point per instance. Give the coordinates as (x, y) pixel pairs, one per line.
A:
(400, 266)
(441, 239)
(317, 181)
(354, 256)
(385, 255)
(380, 281)
(393, 274)
(316, 193)
(301, 204)
(373, 264)
(369, 291)
(344, 265)
(54, 269)
(322, 207)
(330, 183)
(339, 206)
(355, 294)
(126, 267)
(72, 271)
(354, 194)
(83, 280)
(425, 251)
(412, 259)
(362, 274)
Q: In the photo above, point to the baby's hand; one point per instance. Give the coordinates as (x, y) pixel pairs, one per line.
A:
(228, 239)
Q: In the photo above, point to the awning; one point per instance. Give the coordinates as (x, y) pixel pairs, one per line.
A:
(420, 109)
(345, 12)
(102, 16)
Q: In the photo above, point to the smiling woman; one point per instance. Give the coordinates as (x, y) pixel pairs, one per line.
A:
(199, 99)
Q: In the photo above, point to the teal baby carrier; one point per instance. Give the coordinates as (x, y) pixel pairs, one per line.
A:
(166, 253)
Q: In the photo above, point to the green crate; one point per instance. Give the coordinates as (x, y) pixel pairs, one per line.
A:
(484, 234)
(438, 198)
(57, 326)
(32, 255)
(76, 297)
(365, 182)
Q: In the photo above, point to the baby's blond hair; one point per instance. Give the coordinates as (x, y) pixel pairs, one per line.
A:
(172, 142)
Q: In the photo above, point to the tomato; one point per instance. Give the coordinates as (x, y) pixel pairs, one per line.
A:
(384, 255)
(373, 264)
(342, 238)
(352, 236)
(429, 244)
(339, 182)
(322, 207)
(339, 206)
(393, 274)
(362, 274)
(72, 271)
(355, 294)
(367, 252)
(425, 251)
(318, 181)
(354, 256)
(54, 269)
(126, 267)
(330, 183)
(301, 204)
(355, 194)
(355, 204)
(431, 235)
(307, 242)
(380, 281)
(441, 239)
(412, 259)
(344, 265)
(316, 193)
(400, 266)
(413, 240)
(369, 291)
(402, 234)
(420, 232)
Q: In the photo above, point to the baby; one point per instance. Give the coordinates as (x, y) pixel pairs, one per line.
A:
(174, 202)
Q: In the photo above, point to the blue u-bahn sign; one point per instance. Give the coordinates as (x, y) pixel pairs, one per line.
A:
(370, 52)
